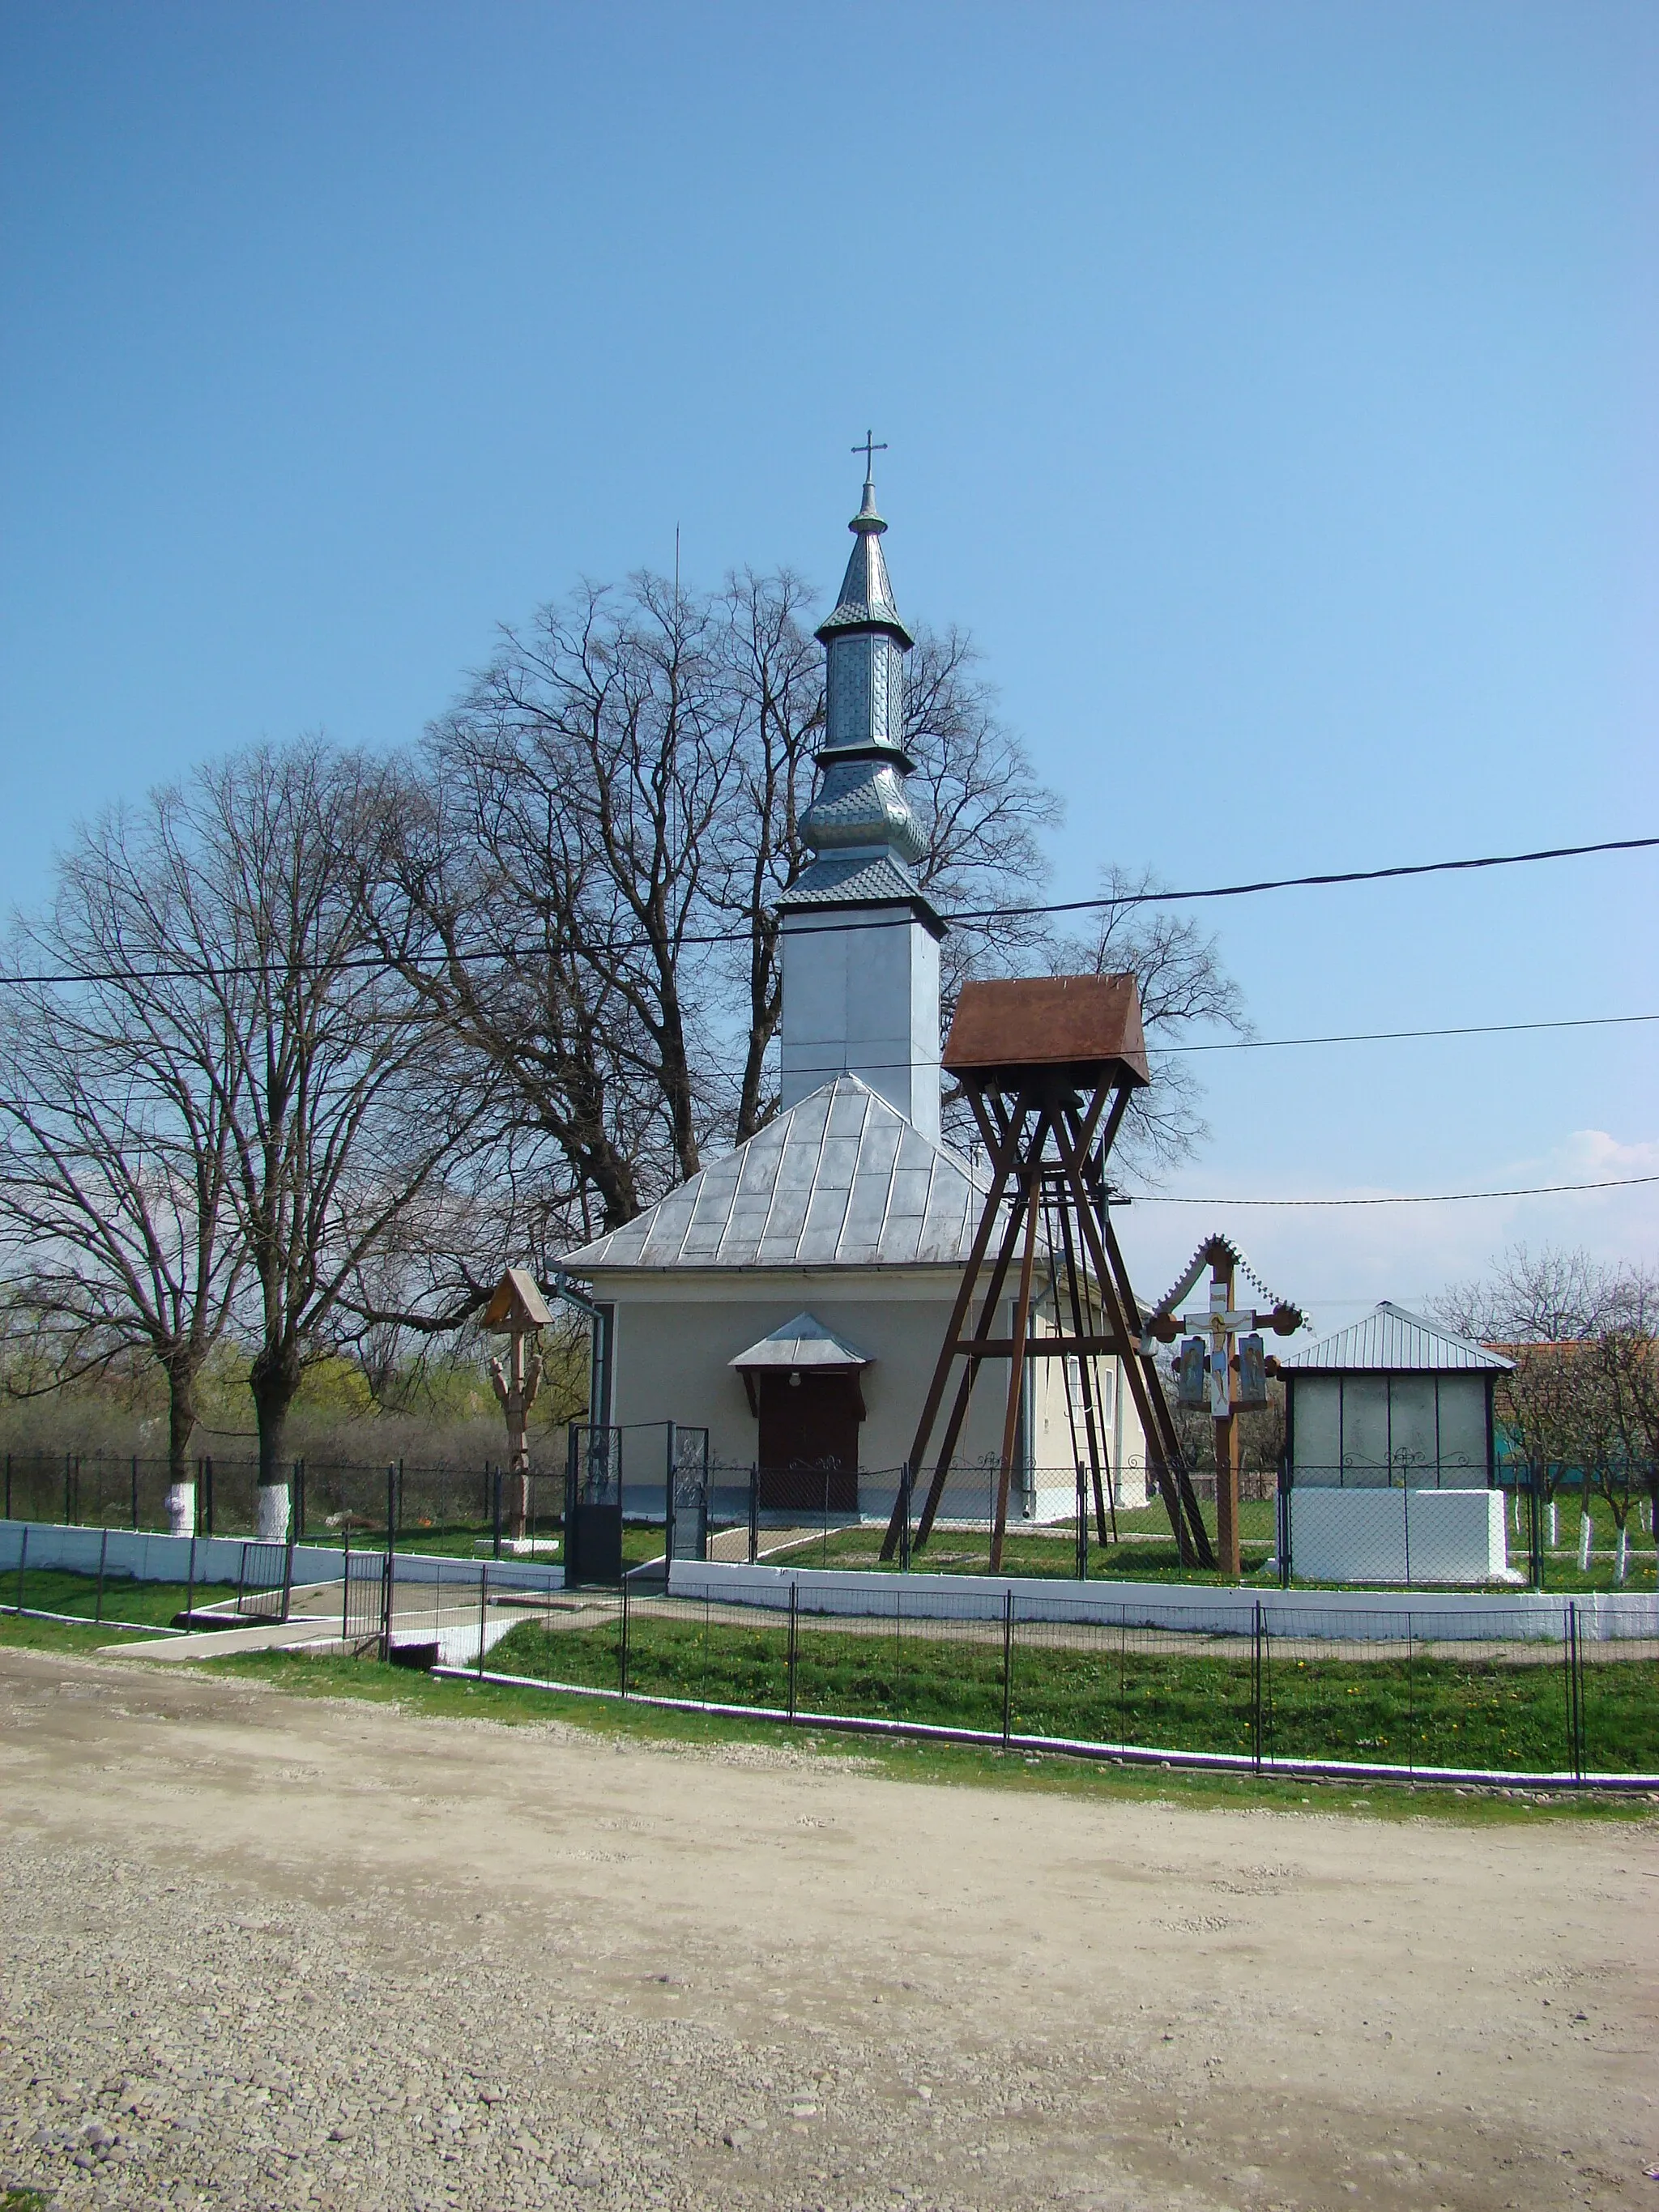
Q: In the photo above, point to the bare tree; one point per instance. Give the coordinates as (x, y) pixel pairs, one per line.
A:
(985, 813)
(1627, 1349)
(774, 679)
(118, 1099)
(584, 889)
(1550, 1296)
(1184, 987)
(345, 1111)
(1580, 1337)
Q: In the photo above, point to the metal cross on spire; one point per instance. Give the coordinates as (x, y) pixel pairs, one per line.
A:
(870, 448)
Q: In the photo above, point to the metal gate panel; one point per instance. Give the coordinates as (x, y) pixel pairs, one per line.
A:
(592, 1506)
(687, 1532)
(365, 1598)
(264, 1576)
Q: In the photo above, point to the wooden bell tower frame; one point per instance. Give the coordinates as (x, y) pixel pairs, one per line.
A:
(1048, 1066)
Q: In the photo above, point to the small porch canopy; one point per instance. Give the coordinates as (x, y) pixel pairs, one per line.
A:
(805, 1344)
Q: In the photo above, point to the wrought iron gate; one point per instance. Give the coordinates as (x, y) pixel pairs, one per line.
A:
(687, 1510)
(592, 1506)
(366, 1601)
(265, 1578)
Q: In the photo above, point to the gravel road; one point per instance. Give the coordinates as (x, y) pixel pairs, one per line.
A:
(262, 1950)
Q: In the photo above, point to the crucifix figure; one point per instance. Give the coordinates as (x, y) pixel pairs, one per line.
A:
(870, 448)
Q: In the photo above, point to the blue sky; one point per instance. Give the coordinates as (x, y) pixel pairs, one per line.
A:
(1268, 388)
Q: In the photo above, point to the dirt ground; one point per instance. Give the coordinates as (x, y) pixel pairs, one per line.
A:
(272, 1951)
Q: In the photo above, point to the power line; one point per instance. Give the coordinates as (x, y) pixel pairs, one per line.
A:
(1276, 1044)
(1431, 1197)
(202, 971)
(1396, 1036)
(1300, 882)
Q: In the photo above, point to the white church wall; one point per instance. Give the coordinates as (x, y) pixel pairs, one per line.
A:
(1060, 1437)
(863, 1000)
(675, 1334)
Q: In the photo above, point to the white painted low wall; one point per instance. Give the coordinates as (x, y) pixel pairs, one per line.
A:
(1373, 1615)
(1365, 1536)
(150, 1558)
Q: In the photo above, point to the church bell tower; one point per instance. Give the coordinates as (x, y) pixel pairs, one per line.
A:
(860, 941)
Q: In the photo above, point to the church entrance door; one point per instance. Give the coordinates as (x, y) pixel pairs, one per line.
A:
(809, 1441)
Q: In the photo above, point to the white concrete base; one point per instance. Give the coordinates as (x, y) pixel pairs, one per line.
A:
(1398, 1537)
(181, 1508)
(273, 1512)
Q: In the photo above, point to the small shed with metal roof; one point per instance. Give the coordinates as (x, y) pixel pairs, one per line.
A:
(1390, 1462)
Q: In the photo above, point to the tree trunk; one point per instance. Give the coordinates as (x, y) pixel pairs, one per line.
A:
(182, 1374)
(274, 1380)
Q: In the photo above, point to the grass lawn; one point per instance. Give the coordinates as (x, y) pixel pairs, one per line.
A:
(52, 1590)
(948, 1764)
(1507, 1715)
(1145, 1551)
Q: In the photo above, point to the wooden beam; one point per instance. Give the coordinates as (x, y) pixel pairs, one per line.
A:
(1043, 1348)
(1017, 1361)
(1001, 1159)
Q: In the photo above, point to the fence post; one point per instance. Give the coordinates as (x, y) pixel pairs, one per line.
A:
(754, 1515)
(388, 1589)
(1082, 1524)
(190, 1582)
(497, 1543)
(103, 1555)
(483, 1604)
(345, 1580)
(1536, 1529)
(391, 1508)
(1255, 1689)
(23, 1565)
(67, 1503)
(622, 1651)
(1575, 1691)
(904, 1528)
(1282, 1517)
(288, 1568)
(210, 1494)
(400, 1494)
(1007, 1665)
(300, 1495)
(135, 1490)
(794, 1641)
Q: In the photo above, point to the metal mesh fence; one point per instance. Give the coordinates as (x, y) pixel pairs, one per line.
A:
(1382, 1527)
(1381, 1694)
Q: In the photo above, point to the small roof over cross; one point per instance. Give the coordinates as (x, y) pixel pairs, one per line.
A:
(870, 448)
(516, 1304)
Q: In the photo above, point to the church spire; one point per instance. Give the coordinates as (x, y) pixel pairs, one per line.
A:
(860, 940)
(860, 824)
(864, 641)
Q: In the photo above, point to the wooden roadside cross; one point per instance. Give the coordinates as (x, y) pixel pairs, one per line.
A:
(1221, 1361)
(517, 1310)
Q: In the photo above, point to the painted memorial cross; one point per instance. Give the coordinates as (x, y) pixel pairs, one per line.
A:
(1221, 1362)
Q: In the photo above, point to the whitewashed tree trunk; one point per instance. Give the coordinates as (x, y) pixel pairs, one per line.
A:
(273, 1512)
(1586, 1531)
(1623, 1567)
(181, 1508)
(1555, 1531)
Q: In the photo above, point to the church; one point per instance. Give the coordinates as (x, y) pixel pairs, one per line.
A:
(792, 1297)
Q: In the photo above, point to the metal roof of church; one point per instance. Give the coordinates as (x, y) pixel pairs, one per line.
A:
(1392, 1340)
(840, 1181)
